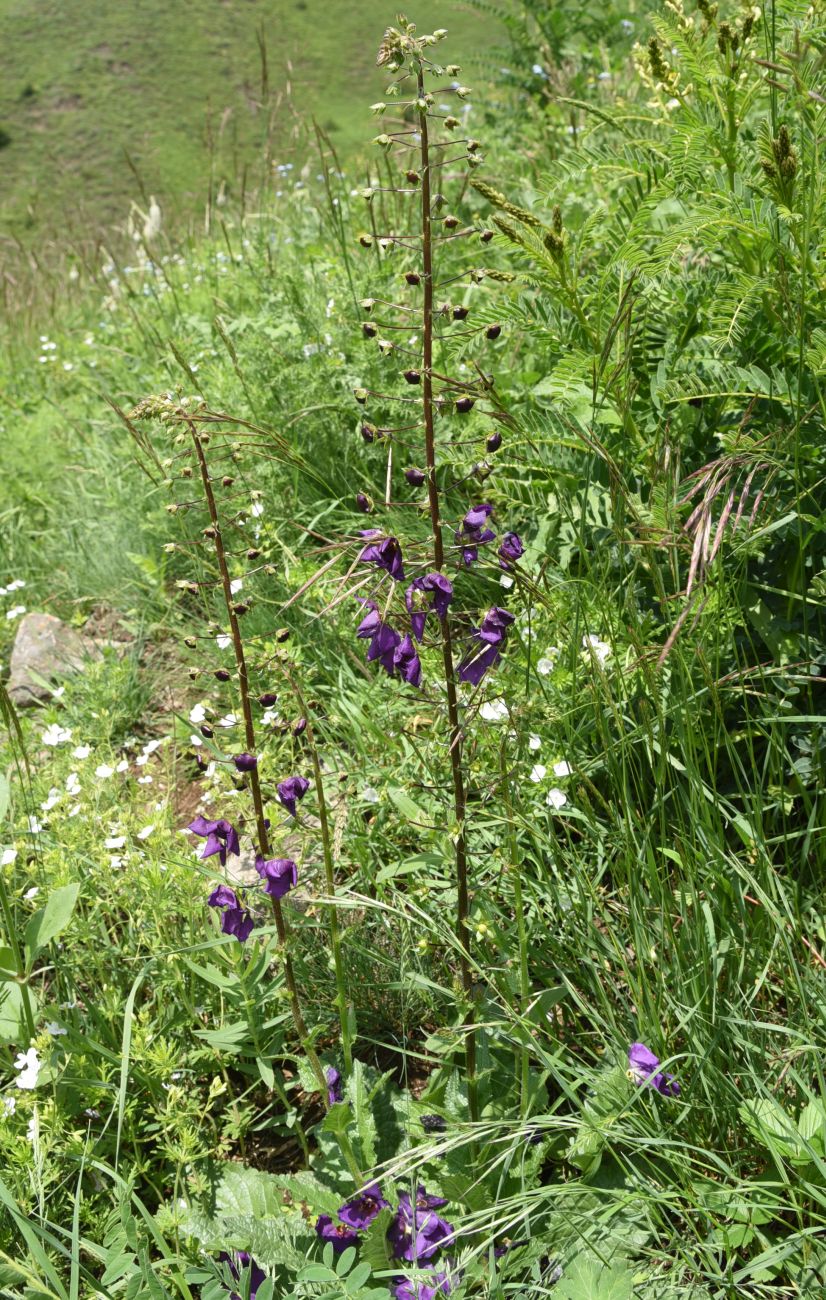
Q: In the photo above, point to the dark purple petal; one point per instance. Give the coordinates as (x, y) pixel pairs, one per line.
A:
(474, 666)
(387, 555)
(415, 477)
(643, 1067)
(237, 921)
(476, 517)
(245, 762)
(223, 896)
(510, 550)
(241, 1259)
(280, 875)
(340, 1235)
(221, 837)
(408, 1288)
(406, 662)
(334, 1089)
(432, 592)
(291, 790)
(383, 647)
(417, 1233)
(364, 1208)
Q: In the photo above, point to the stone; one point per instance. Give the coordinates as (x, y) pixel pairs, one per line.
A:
(44, 648)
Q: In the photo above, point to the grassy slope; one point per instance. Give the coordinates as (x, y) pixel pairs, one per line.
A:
(148, 78)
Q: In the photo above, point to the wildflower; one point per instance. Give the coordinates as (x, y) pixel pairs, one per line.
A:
(556, 798)
(197, 715)
(8, 1105)
(433, 1123)
(55, 1030)
(562, 768)
(235, 919)
(364, 1208)
(146, 831)
(334, 1089)
(383, 639)
(245, 762)
(369, 794)
(417, 1232)
(432, 592)
(241, 1259)
(363, 503)
(32, 893)
(510, 550)
(490, 634)
(291, 790)
(385, 554)
(340, 1236)
(56, 735)
(7, 857)
(538, 772)
(494, 441)
(506, 582)
(644, 1067)
(534, 742)
(600, 650)
(81, 751)
(280, 875)
(15, 611)
(407, 663)
(221, 837)
(28, 1063)
(474, 532)
(407, 1288)
(494, 711)
(72, 784)
(545, 666)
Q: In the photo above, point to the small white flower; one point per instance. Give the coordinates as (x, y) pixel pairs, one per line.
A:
(72, 784)
(114, 842)
(8, 1105)
(15, 611)
(601, 650)
(506, 581)
(73, 812)
(141, 760)
(53, 798)
(34, 826)
(235, 586)
(197, 715)
(223, 641)
(7, 857)
(56, 1030)
(115, 861)
(28, 1063)
(82, 751)
(56, 735)
(494, 710)
(538, 772)
(151, 746)
(146, 831)
(104, 771)
(556, 798)
(228, 720)
(31, 1129)
(144, 780)
(257, 509)
(545, 666)
(269, 716)
(534, 742)
(562, 768)
(33, 892)
(195, 740)
(369, 795)
(122, 766)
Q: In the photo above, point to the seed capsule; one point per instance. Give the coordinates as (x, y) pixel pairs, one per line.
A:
(415, 477)
(267, 700)
(460, 313)
(368, 432)
(450, 222)
(253, 554)
(493, 331)
(363, 503)
(413, 376)
(412, 177)
(207, 732)
(366, 241)
(190, 642)
(413, 277)
(465, 404)
(486, 236)
(369, 330)
(227, 480)
(222, 675)
(283, 634)
(494, 441)
(360, 395)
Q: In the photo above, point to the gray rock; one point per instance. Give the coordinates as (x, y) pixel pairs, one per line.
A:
(44, 648)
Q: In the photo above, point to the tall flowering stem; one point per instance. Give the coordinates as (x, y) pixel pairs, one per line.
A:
(456, 739)
(262, 833)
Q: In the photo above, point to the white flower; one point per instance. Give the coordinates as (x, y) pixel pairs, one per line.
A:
(53, 798)
(534, 742)
(257, 509)
(55, 1029)
(493, 710)
(601, 650)
(15, 611)
(146, 831)
(82, 751)
(506, 581)
(122, 766)
(538, 771)
(16, 584)
(114, 842)
(556, 798)
(8, 1105)
(195, 740)
(151, 746)
(562, 768)
(235, 586)
(545, 666)
(269, 716)
(35, 827)
(7, 857)
(104, 771)
(223, 640)
(115, 861)
(144, 780)
(72, 783)
(197, 715)
(31, 1129)
(73, 812)
(33, 892)
(228, 720)
(28, 1063)
(56, 735)
(369, 795)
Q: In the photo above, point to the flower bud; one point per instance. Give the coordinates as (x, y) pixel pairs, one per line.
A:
(460, 313)
(413, 277)
(450, 222)
(473, 145)
(440, 33)
(267, 700)
(227, 480)
(481, 471)
(413, 376)
(494, 441)
(169, 547)
(453, 69)
(367, 194)
(222, 674)
(206, 731)
(194, 674)
(369, 330)
(412, 177)
(366, 241)
(452, 122)
(383, 141)
(415, 477)
(211, 531)
(464, 404)
(253, 553)
(245, 762)
(282, 635)
(241, 608)
(363, 503)
(360, 395)
(493, 331)
(190, 642)
(485, 236)
(186, 472)
(385, 245)
(463, 91)
(368, 303)
(368, 432)
(300, 727)
(378, 108)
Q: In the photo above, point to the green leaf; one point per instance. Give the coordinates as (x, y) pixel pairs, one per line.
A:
(587, 1279)
(5, 792)
(51, 920)
(12, 1018)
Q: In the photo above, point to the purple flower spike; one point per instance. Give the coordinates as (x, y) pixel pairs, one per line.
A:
(644, 1067)
(364, 1208)
(291, 790)
(221, 837)
(490, 634)
(432, 592)
(235, 919)
(280, 875)
(387, 555)
(245, 762)
(417, 1233)
(408, 1288)
(241, 1259)
(334, 1089)
(510, 550)
(474, 532)
(337, 1233)
(407, 663)
(383, 647)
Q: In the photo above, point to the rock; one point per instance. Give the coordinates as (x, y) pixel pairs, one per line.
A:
(44, 648)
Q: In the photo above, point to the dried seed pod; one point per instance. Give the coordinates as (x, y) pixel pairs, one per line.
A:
(369, 330)
(413, 277)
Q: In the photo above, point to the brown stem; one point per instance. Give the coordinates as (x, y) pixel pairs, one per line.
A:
(255, 784)
(455, 731)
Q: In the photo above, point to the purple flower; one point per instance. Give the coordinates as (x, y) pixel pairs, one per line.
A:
(235, 919)
(414, 476)
(291, 790)
(510, 550)
(245, 762)
(363, 503)
(279, 874)
(386, 554)
(432, 592)
(337, 1233)
(408, 1288)
(241, 1259)
(490, 634)
(383, 647)
(363, 1209)
(300, 727)
(221, 837)
(334, 1089)
(474, 532)
(417, 1232)
(406, 662)
(644, 1067)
